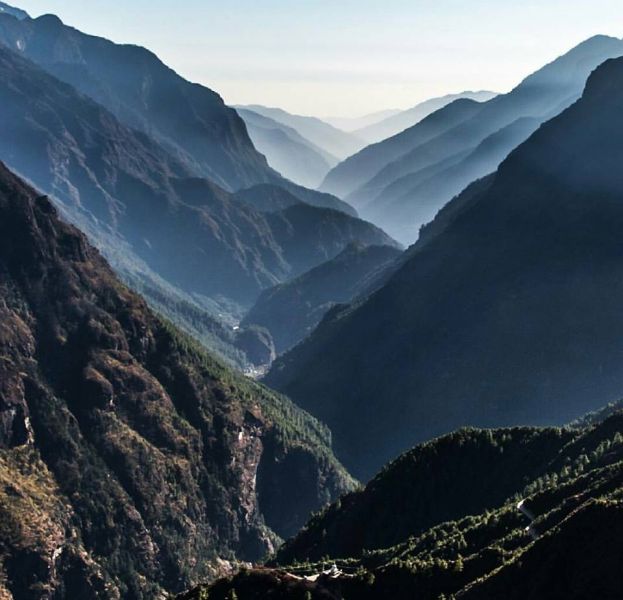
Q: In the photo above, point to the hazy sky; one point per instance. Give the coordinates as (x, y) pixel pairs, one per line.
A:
(345, 57)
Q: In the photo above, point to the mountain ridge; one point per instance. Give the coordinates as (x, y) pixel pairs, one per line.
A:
(365, 179)
(287, 151)
(154, 220)
(336, 142)
(397, 123)
(307, 298)
(517, 256)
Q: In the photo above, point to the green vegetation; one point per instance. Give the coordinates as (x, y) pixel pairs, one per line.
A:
(571, 548)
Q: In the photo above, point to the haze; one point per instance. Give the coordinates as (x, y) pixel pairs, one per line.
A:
(345, 58)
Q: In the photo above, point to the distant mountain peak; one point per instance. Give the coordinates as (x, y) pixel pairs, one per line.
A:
(18, 13)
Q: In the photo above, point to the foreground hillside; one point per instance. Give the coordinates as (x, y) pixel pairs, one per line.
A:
(126, 453)
(510, 513)
(507, 305)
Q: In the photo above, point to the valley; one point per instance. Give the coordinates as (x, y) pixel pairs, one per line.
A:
(249, 351)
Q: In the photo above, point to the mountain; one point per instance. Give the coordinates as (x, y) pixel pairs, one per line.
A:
(126, 451)
(185, 243)
(190, 121)
(507, 513)
(334, 141)
(505, 312)
(307, 298)
(396, 123)
(287, 151)
(309, 236)
(413, 200)
(350, 174)
(365, 177)
(267, 198)
(351, 124)
(541, 96)
(14, 12)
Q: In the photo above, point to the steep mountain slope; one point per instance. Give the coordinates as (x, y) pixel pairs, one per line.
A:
(125, 451)
(306, 299)
(505, 313)
(336, 142)
(412, 494)
(397, 123)
(541, 95)
(141, 207)
(414, 200)
(310, 236)
(570, 483)
(287, 151)
(353, 172)
(267, 198)
(189, 120)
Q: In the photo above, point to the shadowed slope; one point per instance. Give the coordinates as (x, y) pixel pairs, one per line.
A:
(505, 313)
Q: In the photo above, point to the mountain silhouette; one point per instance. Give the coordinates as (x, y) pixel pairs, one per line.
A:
(364, 179)
(505, 312)
(287, 151)
(396, 123)
(334, 141)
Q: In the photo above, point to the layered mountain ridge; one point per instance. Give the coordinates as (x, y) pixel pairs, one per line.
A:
(336, 142)
(186, 243)
(504, 308)
(396, 123)
(287, 150)
(368, 179)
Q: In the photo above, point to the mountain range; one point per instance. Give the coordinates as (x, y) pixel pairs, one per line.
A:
(332, 140)
(288, 151)
(131, 461)
(351, 124)
(197, 252)
(505, 306)
(160, 254)
(384, 180)
(396, 123)
(190, 121)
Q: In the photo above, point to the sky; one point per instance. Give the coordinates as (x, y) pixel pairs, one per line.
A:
(344, 57)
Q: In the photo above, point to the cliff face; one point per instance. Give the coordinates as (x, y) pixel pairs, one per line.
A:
(129, 459)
